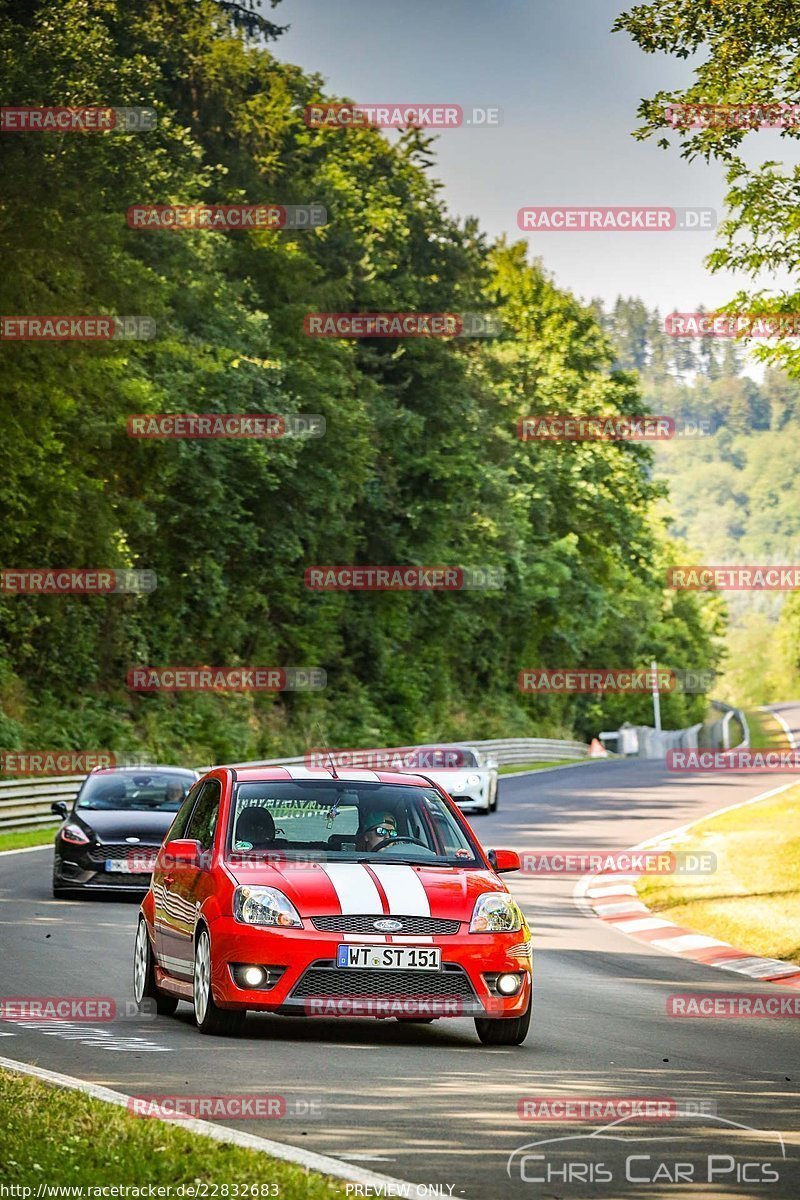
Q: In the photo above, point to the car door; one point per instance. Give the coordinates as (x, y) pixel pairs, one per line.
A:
(183, 885)
(176, 830)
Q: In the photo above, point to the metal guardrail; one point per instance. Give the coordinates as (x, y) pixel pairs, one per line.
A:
(731, 715)
(709, 735)
(26, 802)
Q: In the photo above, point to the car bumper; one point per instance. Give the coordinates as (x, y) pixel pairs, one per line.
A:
(93, 876)
(312, 985)
(471, 799)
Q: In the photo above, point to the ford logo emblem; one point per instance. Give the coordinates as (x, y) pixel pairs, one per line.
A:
(387, 926)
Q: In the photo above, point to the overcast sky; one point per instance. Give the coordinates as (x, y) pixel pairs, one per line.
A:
(568, 89)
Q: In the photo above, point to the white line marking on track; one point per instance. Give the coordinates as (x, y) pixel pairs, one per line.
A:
(92, 1035)
(27, 849)
(220, 1133)
(687, 941)
(789, 735)
(640, 923)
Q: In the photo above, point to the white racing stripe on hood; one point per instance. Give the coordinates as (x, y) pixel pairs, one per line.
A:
(355, 888)
(404, 891)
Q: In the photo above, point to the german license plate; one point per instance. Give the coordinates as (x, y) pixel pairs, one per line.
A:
(130, 866)
(390, 958)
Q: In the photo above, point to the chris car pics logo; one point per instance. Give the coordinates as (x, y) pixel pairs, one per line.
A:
(695, 1150)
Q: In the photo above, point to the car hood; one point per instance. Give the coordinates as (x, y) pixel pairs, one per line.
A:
(396, 889)
(113, 825)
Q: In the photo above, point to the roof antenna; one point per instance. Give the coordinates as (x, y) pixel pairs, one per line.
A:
(331, 765)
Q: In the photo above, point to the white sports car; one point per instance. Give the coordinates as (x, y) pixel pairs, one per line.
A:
(473, 784)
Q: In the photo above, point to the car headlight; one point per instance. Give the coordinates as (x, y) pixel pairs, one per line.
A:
(496, 912)
(74, 835)
(473, 780)
(264, 906)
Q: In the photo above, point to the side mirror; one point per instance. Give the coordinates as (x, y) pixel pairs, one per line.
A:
(183, 852)
(504, 860)
(60, 809)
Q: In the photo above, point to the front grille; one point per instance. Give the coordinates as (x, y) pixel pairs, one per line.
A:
(120, 881)
(422, 926)
(324, 979)
(120, 851)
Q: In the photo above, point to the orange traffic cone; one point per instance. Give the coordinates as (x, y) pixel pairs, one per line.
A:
(597, 749)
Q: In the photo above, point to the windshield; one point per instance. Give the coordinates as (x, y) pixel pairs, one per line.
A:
(467, 758)
(161, 790)
(332, 820)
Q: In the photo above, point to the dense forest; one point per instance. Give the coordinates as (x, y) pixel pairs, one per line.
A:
(419, 463)
(734, 489)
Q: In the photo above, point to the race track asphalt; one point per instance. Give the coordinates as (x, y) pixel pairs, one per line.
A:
(429, 1103)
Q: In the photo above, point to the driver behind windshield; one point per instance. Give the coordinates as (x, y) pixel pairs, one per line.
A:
(174, 792)
(378, 831)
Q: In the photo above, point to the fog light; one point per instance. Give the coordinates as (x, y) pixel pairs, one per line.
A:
(253, 976)
(509, 985)
(256, 977)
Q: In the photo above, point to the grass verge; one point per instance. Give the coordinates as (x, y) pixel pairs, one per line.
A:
(16, 839)
(540, 766)
(765, 732)
(49, 1135)
(753, 898)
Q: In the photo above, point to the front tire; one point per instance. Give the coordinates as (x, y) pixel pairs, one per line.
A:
(221, 1022)
(507, 1031)
(145, 991)
(493, 805)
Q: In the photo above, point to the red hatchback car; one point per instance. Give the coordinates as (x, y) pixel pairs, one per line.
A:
(300, 892)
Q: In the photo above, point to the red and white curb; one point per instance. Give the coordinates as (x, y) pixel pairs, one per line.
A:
(613, 898)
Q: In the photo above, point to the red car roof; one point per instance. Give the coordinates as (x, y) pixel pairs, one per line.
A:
(256, 774)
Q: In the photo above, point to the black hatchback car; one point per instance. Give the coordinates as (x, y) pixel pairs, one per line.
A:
(110, 837)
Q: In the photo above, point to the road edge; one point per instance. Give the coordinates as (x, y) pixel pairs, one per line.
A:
(309, 1159)
(613, 898)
